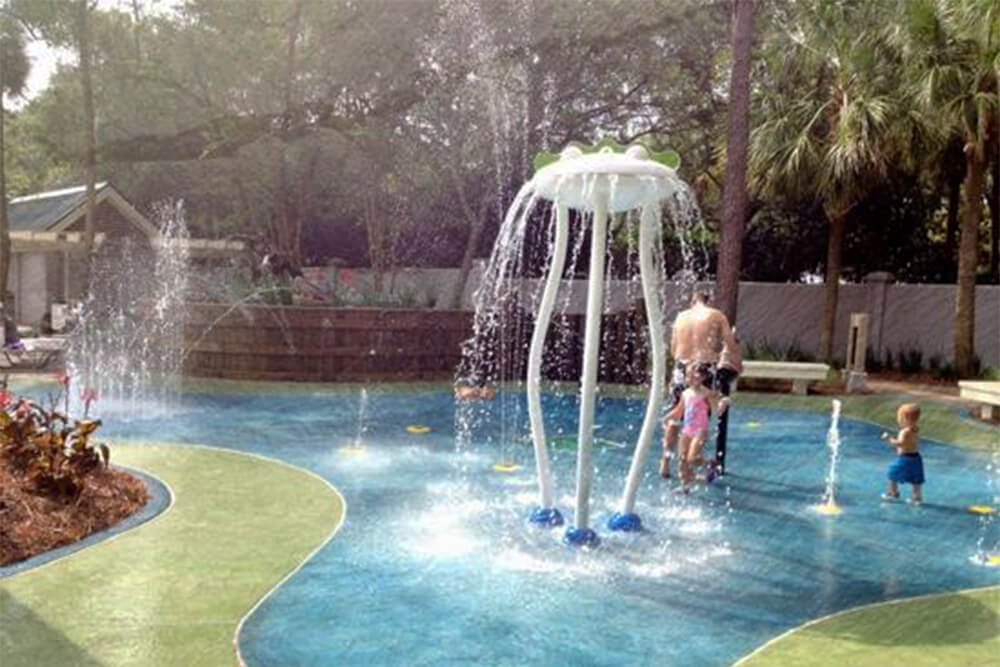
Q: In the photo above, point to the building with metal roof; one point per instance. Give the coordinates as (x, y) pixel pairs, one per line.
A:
(47, 244)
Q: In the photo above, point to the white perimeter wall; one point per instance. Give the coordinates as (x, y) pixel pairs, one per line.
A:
(903, 316)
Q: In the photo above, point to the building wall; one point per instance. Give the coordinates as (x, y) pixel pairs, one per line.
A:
(111, 222)
(37, 279)
(27, 282)
(116, 228)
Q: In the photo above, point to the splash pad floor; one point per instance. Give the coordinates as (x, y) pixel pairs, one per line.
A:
(435, 563)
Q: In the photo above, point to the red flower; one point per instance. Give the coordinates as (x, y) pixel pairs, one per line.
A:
(6, 398)
(88, 395)
(63, 378)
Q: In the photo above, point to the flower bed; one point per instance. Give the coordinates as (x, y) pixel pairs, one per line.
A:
(56, 484)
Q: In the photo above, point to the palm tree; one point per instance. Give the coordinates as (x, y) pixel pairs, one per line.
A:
(83, 44)
(831, 119)
(734, 205)
(14, 66)
(952, 48)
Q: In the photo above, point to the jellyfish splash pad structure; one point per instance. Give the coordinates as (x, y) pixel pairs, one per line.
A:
(600, 190)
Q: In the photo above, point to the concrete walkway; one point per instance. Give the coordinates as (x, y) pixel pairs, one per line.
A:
(946, 393)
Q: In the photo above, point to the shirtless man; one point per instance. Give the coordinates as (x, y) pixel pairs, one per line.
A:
(701, 335)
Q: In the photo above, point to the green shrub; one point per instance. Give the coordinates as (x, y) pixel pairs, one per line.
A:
(872, 363)
(765, 351)
(990, 373)
(795, 353)
(934, 364)
(977, 365)
(911, 360)
(947, 371)
(53, 452)
(761, 351)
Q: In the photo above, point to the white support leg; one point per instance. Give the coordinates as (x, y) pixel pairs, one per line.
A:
(650, 221)
(591, 349)
(535, 357)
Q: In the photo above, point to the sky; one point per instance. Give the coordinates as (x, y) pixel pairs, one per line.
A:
(43, 63)
(45, 59)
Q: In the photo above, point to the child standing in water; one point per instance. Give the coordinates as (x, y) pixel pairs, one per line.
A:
(466, 392)
(908, 468)
(695, 405)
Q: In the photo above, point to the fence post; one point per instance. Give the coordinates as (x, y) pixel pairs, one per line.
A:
(857, 346)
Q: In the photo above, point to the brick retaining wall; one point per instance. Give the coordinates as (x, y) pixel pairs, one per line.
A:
(322, 344)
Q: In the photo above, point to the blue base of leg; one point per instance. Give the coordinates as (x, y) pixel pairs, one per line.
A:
(546, 516)
(581, 537)
(628, 522)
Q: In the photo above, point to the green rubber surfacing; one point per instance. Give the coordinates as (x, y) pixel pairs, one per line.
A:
(172, 591)
(946, 629)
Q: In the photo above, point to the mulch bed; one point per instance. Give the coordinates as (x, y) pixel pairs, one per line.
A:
(31, 523)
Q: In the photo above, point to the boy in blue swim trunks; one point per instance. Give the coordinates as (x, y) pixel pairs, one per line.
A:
(908, 468)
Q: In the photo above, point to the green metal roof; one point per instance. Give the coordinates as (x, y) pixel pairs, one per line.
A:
(41, 212)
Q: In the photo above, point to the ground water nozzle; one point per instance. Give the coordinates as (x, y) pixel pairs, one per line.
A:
(581, 537)
(546, 516)
(627, 522)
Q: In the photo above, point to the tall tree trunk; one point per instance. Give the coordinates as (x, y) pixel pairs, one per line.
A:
(284, 225)
(4, 222)
(534, 117)
(136, 27)
(834, 250)
(476, 225)
(307, 181)
(292, 220)
(90, 152)
(377, 247)
(734, 200)
(477, 221)
(292, 38)
(994, 200)
(968, 261)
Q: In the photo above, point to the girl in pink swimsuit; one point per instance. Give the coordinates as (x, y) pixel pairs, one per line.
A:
(695, 405)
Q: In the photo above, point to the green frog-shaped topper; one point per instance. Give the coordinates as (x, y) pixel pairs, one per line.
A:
(668, 158)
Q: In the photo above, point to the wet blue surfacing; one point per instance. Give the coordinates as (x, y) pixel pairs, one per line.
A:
(436, 565)
(159, 500)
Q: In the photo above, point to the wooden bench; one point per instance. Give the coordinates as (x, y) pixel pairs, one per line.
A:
(985, 393)
(800, 373)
